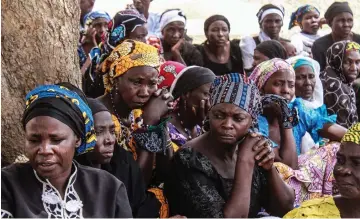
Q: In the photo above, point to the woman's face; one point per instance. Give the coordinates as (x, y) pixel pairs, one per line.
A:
(259, 58)
(218, 33)
(347, 170)
(173, 32)
(105, 137)
(281, 83)
(351, 65)
(101, 27)
(229, 123)
(310, 22)
(139, 34)
(50, 146)
(305, 82)
(136, 86)
(342, 24)
(194, 97)
(271, 25)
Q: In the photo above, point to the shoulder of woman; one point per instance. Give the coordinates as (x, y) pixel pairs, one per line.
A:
(97, 176)
(15, 170)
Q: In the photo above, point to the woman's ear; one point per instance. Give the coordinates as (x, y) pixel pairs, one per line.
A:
(78, 142)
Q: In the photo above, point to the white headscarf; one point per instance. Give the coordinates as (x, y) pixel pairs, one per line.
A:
(172, 16)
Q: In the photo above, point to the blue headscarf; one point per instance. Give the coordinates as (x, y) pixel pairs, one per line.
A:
(91, 16)
(66, 106)
(301, 62)
(296, 17)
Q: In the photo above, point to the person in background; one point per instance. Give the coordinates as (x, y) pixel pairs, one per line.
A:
(228, 172)
(343, 67)
(347, 176)
(307, 17)
(96, 27)
(289, 47)
(108, 156)
(268, 50)
(308, 86)
(220, 55)
(59, 125)
(339, 17)
(152, 19)
(174, 45)
(86, 6)
(191, 92)
(270, 18)
(126, 24)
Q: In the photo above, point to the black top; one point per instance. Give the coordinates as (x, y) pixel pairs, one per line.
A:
(125, 168)
(92, 83)
(322, 44)
(194, 188)
(188, 51)
(90, 193)
(234, 64)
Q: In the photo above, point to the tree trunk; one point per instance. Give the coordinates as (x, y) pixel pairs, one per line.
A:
(39, 41)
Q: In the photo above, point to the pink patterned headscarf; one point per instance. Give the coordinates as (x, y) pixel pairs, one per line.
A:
(266, 69)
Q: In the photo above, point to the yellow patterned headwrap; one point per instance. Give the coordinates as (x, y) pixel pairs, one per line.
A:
(352, 46)
(125, 56)
(352, 135)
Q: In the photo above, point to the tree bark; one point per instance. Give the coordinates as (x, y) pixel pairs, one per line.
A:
(39, 41)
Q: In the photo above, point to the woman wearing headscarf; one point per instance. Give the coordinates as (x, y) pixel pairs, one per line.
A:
(191, 92)
(58, 126)
(307, 17)
(308, 86)
(126, 24)
(228, 171)
(268, 50)
(96, 26)
(270, 18)
(347, 176)
(335, 16)
(220, 55)
(108, 156)
(138, 107)
(310, 174)
(343, 68)
(174, 45)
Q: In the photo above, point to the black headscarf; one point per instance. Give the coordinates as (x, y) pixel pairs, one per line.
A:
(96, 106)
(214, 18)
(272, 49)
(191, 78)
(335, 9)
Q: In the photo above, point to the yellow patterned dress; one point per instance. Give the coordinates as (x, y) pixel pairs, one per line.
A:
(316, 208)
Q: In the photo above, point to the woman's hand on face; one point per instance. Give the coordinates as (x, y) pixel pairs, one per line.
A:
(176, 48)
(201, 111)
(157, 107)
(90, 36)
(246, 147)
(264, 154)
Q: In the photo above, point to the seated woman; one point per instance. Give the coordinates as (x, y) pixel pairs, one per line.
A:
(228, 171)
(347, 175)
(174, 46)
(307, 17)
(308, 87)
(58, 125)
(270, 18)
(191, 92)
(138, 108)
(126, 24)
(110, 157)
(314, 175)
(268, 50)
(343, 67)
(220, 55)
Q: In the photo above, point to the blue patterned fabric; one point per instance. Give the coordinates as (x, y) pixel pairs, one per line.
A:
(310, 120)
(55, 91)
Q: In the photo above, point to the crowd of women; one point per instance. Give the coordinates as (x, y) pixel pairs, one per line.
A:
(258, 127)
